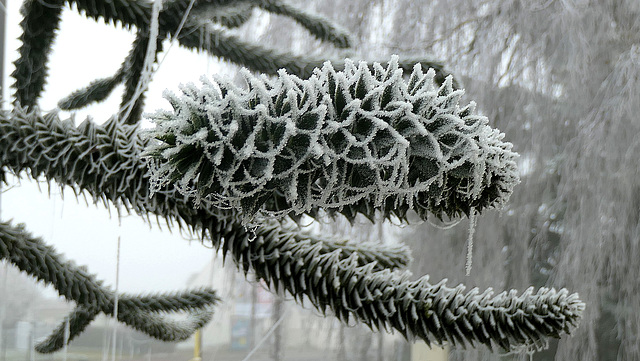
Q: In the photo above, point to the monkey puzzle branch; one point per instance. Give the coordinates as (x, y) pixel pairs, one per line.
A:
(106, 163)
(144, 313)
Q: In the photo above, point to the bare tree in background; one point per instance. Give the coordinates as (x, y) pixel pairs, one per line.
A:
(562, 79)
(346, 139)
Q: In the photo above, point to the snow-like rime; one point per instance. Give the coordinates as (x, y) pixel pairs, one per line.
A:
(351, 279)
(352, 141)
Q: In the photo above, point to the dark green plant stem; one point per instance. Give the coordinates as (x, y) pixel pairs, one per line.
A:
(158, 326)
(134, 70)
(128, 13)
(232, 16)
(144, 313)
(154, 324)
(78, 320)
(416, 309)
(251, 56)
(40, 22)
(43, 263)
(97, 91)
(266, 60)
(316, 25)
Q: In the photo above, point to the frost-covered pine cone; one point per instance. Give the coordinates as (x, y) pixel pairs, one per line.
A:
(355, 141)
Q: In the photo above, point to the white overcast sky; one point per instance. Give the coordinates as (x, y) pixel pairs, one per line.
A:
(151, 260)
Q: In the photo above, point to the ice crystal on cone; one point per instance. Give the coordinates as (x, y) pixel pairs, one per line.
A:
(355, 141)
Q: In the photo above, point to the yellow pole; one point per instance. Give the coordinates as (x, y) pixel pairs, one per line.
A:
(197, 347)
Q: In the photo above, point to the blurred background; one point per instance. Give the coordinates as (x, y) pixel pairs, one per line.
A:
(560, 78)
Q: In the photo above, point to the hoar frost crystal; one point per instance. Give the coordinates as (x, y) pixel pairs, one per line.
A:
(355, 141)
(353, 280)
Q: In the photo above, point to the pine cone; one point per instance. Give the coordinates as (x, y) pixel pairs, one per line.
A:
(351, 142)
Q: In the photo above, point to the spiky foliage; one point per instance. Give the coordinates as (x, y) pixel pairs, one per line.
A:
(351, 142)
(41, 22)
(105, 162)
(417, 309)
(144, 313)
(349, 279)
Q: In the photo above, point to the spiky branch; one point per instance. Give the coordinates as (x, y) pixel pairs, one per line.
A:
(420, 127)
(41, 22)
(144, 313)
(417, 309)
(106, 163)
(349, 279)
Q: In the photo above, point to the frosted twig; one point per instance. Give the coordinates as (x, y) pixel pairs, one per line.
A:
(472, 229)
(149, 60)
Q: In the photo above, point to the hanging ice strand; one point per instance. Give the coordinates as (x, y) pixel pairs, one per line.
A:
(115, 306)
(472, 230)
(66, 339)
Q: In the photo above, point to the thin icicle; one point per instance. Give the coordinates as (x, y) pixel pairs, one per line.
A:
(115, 307)
(149, 59)
(66, 339)
(266, 336)
(177, 33)
(472, 230)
